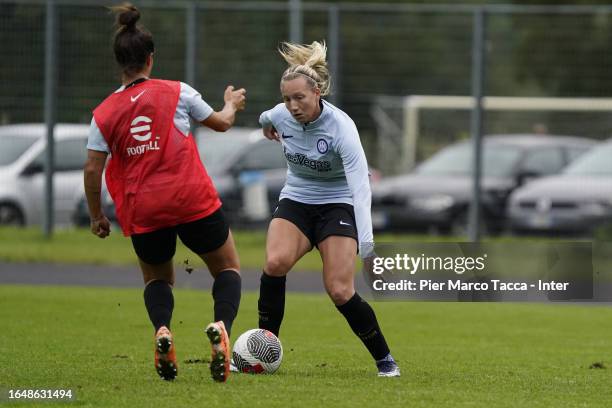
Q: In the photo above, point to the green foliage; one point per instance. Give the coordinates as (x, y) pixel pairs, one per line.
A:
(380, 53)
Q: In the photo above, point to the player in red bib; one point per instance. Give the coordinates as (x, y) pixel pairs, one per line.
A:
(161, 189)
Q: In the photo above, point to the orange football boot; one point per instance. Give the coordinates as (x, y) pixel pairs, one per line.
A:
(165, 356)
(220, 351)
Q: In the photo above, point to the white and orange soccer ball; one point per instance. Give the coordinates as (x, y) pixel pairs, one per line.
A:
(257, 351)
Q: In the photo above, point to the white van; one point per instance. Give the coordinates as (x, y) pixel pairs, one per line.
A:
(22, 177)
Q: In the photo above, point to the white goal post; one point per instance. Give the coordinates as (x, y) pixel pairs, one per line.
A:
(413, 104)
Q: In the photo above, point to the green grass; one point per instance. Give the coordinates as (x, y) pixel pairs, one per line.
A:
(79, 246)
(98, 342)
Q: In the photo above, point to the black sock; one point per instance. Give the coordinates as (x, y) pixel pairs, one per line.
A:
(159, 301)
(362, 320)
(226, 294)
(271, 302)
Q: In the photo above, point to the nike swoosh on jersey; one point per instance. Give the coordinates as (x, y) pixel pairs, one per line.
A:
(284, 136)
(135, 98)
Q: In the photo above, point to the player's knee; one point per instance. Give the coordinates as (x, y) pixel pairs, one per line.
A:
(339, 293)
(277, 266)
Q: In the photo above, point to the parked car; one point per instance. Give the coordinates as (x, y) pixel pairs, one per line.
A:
(576, 201)
(22, 177)
(436, 195)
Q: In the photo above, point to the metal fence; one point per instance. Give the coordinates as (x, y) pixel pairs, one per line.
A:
(375, 49)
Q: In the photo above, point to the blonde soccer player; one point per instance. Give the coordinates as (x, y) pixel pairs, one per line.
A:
(325, 202)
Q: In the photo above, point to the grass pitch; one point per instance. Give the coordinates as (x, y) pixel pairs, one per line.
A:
(98, 342)
(80, 246)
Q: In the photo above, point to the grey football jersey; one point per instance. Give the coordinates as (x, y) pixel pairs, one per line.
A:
(326, 163)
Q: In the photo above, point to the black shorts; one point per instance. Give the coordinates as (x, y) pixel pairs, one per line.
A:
(319, 221)
(200, 236)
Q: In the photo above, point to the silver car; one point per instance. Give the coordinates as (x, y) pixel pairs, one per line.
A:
(22, 178)
(436, 195)
(576, 201)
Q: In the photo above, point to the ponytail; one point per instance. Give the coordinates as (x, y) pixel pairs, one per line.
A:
(307, 61)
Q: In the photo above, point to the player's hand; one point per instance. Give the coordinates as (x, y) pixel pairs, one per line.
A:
(271, 133)
(236, 97)
(368, 264)
(100, 226)
(368, 270)
(372, 272)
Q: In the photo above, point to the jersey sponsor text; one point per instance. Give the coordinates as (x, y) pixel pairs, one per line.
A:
(301, 160)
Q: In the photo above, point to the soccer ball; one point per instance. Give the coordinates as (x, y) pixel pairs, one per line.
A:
(257, 351)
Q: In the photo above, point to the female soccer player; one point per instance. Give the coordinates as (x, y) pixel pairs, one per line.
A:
(325, 201)
(161, 189)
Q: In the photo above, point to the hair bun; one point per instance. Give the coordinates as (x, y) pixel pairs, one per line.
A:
(127, 15)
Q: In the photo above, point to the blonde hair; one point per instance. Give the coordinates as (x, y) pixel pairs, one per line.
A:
(307, 61)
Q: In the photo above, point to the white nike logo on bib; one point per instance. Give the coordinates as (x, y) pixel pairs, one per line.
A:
(135, 98)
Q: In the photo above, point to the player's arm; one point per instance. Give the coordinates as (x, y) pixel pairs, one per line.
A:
(97, 152)
(224, 119)
(269, 131)
(357, 176)
(94, 167)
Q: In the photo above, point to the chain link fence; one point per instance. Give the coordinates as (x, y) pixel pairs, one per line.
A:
(376, 51)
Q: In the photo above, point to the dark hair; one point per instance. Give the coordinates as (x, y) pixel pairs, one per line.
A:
(132, 43)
